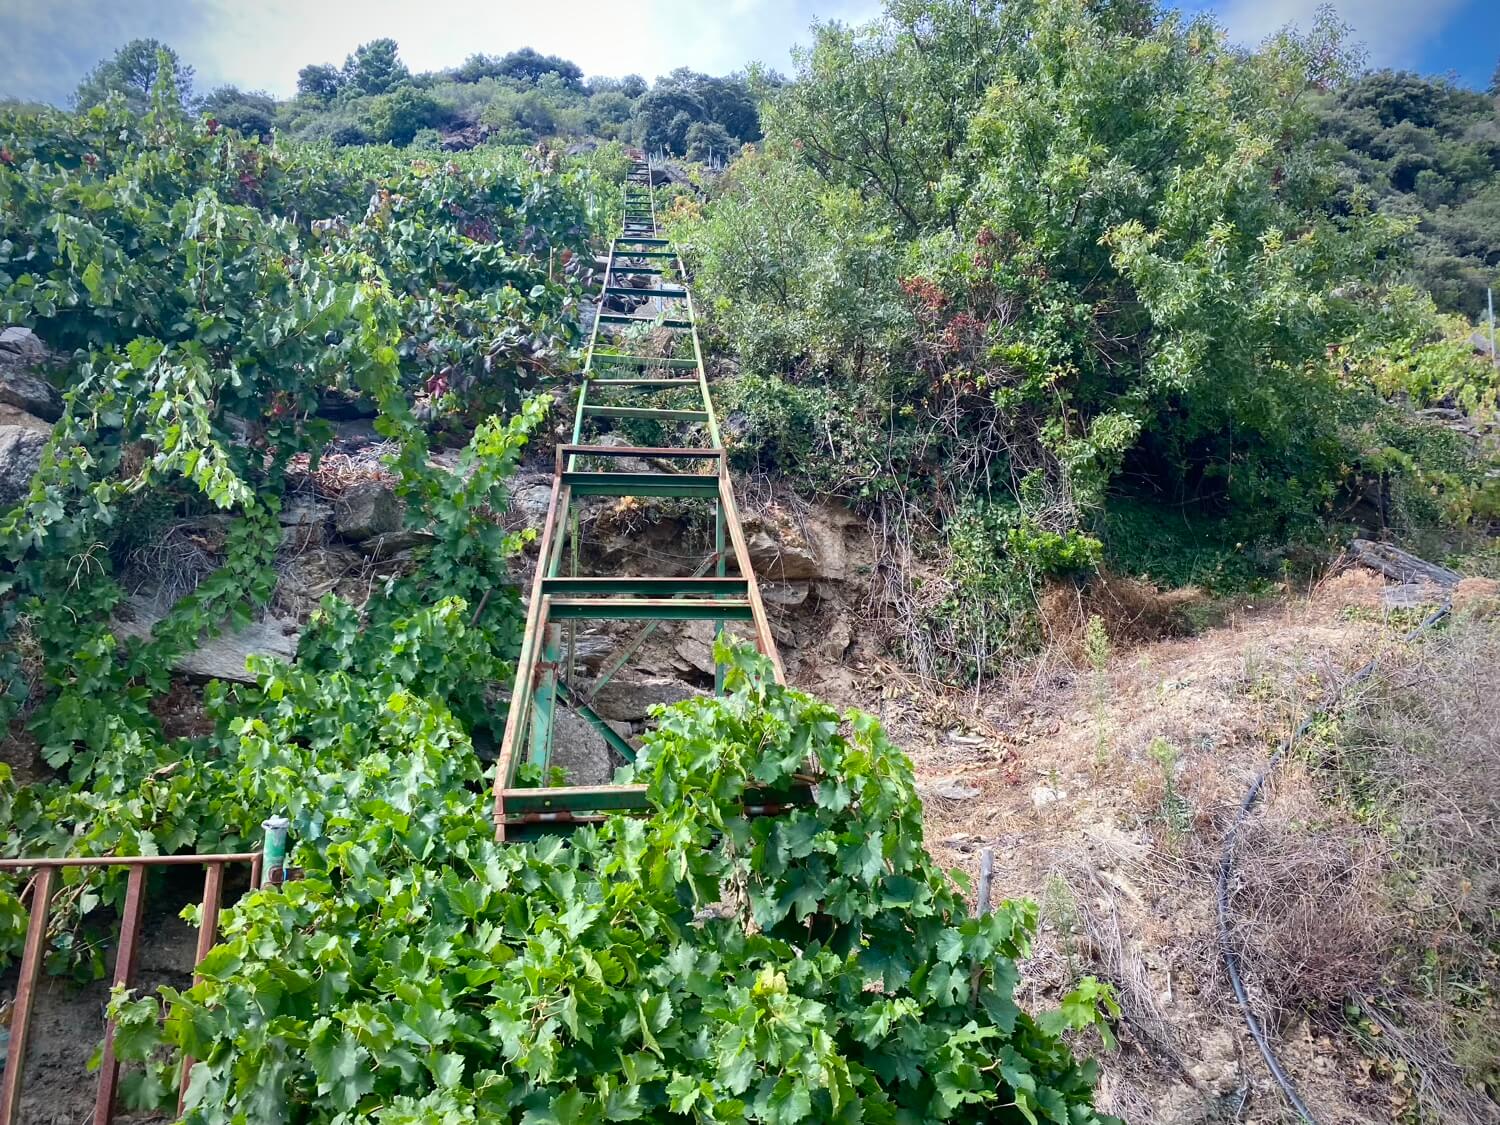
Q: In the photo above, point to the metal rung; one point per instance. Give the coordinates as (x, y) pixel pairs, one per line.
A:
(659, 451)
(660, 384)
(645, 241)
(648, 587)
(648, 271)
(640, 484)
(644, 412)
(652, 322)
(624, 798)
(631, 291)
(646, 253)
(648, 609)
(611, 358)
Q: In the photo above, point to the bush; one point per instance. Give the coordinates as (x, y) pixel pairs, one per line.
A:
(395, 118)
(810, 967)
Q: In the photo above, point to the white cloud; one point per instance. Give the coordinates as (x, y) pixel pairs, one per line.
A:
(1393, 31)
(261, 44)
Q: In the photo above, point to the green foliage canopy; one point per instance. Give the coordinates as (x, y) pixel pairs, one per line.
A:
(1428, 151)
(809, 967)
(132, 73)
(1030, 256)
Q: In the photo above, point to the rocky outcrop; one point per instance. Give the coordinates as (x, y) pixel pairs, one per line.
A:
(579, 750)
(815, 544)
(367, 510)
(464, 137)
(29, 404)
(20, 457)
(220, 657)
(631, 700)
(26, 391)
(22, 342)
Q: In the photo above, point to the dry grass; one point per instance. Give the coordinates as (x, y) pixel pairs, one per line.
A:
(1132, 612)
(1311, 922)
(1420, 757)
(173, 562)
(338, 472)
(1082, 824)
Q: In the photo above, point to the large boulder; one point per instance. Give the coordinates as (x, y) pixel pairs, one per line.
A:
(20, 457)
(27, 391)
(530, 497)
(22, 342)
(815, 544)
(580, 750)
(630, 701)
(366, 510)
(21, 387)
(220, 657)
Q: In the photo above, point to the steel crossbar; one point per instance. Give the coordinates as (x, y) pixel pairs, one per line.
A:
(545, 671)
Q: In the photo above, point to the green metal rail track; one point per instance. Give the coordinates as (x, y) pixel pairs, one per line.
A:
(643, 294)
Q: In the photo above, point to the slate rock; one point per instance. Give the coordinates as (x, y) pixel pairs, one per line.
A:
(366, 510)
(20, 457)
(28, 391)
(22, 342)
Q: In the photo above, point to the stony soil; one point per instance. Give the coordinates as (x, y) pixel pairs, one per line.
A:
(1054, 771)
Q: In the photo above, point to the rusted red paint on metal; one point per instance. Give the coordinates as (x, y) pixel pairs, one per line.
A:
(125, 958)
(132, 914)
(208, 930)
(20, 1015)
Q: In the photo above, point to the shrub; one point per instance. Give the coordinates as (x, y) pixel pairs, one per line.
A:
(810, 967)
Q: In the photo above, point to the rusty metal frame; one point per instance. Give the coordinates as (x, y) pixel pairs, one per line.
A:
(522, 812)
(131, 915)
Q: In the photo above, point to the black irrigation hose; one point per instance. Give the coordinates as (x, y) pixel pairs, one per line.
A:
(1226, 865)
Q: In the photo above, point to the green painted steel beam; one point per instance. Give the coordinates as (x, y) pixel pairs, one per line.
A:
(648, 587)
(641, 484)
(632, 291)
(645, 241)
(644, 271)
(701, 453)
(613, 358)
(576, 798)
(648, 321)
(658, 384)
(628, 798)
(646, 253)
(648, 609)
(543, 702)
(645, 412)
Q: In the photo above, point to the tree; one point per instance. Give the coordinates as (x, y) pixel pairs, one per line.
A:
(528, 65)
(320, 82)
(131, 71)
(476, 67)
(374, 68)
(1427, 151)
(708, 138)
(252, 113)
(1119, 259)
(885, 107)
(727, 101)
(662, 117)
(397, 116)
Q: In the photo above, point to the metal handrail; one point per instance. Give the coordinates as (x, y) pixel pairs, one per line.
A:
(34, 951)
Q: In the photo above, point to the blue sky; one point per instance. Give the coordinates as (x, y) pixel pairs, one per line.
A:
(262, 43)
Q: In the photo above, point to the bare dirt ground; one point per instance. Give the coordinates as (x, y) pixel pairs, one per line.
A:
(1105, 794)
